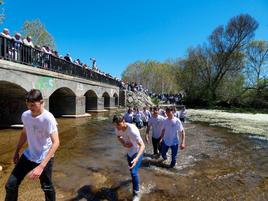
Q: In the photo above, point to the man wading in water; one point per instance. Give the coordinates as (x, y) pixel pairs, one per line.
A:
(41, 133)
(129, 136)
(171, 128)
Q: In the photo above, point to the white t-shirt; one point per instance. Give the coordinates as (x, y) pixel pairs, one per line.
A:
(131, 135)
(172, 127)
(38, 130)
(128, 117)
(146, 115)
(177, 114)
(156, 124)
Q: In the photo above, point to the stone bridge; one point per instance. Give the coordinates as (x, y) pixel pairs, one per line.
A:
(63, 94)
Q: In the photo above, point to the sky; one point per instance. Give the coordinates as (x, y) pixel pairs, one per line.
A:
(120, 32)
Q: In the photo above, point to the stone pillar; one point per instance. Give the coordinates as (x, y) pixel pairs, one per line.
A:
(112, 102)
(80, 105)
(100, 105)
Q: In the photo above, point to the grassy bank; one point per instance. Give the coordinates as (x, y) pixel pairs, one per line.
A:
(248, 123)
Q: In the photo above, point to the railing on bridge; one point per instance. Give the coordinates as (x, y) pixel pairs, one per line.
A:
(20, 53)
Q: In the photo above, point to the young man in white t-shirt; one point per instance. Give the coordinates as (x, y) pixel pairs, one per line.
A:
(41, 133)
(129, 136)
(172, 127)
(156, 122)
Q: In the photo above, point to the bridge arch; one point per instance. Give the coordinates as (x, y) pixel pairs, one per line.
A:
(62, 102)
(91, 100)
(116, 99)
(106, 97)
(12, 103)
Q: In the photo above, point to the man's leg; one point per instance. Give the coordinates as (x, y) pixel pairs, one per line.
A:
(46, 181)
(174, 151)
(134, 172)
(19, 172)
(155, 145)
(164, 150)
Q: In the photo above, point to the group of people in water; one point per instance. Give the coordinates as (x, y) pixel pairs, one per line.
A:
(41, 134)
(167, 133)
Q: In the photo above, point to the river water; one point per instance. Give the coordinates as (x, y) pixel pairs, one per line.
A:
(91, 165)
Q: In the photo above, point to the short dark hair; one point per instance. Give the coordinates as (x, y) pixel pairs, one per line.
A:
(168, 109)
(155, 108)
(34, 95)
(118, 119)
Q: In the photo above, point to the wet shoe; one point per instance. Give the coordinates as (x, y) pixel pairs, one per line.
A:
(136, 196)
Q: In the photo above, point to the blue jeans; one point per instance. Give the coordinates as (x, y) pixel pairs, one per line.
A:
(174, 151)
(134, 171)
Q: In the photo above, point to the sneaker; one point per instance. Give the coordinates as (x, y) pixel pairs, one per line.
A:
(136, 198)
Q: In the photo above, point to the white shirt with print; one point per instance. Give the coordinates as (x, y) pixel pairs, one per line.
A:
(38, 131)
(131, 135)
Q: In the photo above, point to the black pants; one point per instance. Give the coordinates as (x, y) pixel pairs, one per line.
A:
(156, 145)
(22, 168)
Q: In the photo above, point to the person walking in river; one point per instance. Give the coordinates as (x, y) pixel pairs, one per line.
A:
(156, 122)
(129, 136)
(41, 133)
(172, 126)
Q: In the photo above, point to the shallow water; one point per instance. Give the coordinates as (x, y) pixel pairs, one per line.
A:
(91, 165)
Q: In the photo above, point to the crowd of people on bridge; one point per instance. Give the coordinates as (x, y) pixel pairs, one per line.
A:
(18, 41)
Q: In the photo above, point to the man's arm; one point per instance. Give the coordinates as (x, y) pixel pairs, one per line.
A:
(36, 172)
(147, 134)
(182, 145)
(135, 160)
(162, 135)
(22, 140)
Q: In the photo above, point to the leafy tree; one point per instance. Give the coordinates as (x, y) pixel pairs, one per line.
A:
(219, 61)
(257, 64)
(155, 76)
(256, 70)
(39, 33)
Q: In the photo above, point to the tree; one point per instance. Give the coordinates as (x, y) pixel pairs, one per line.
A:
(219, 61)
(225, 50)
(257, 64)
(40, 35)
(256, 71)
(155, 76)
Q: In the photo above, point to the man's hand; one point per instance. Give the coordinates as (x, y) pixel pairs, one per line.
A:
(147, 138)
(182, 146)
(16, 157)
(127, 144)
(36, 172)
(134, 162)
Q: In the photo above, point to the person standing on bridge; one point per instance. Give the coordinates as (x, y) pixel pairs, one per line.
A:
(129, 136)
(41, 133)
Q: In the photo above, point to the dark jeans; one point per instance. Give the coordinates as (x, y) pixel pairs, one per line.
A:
(134, 172)
(156, 145)
(174, 152)
(22, 168)
(182, 120)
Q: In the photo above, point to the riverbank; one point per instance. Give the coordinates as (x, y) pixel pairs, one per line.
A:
(246, 123)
